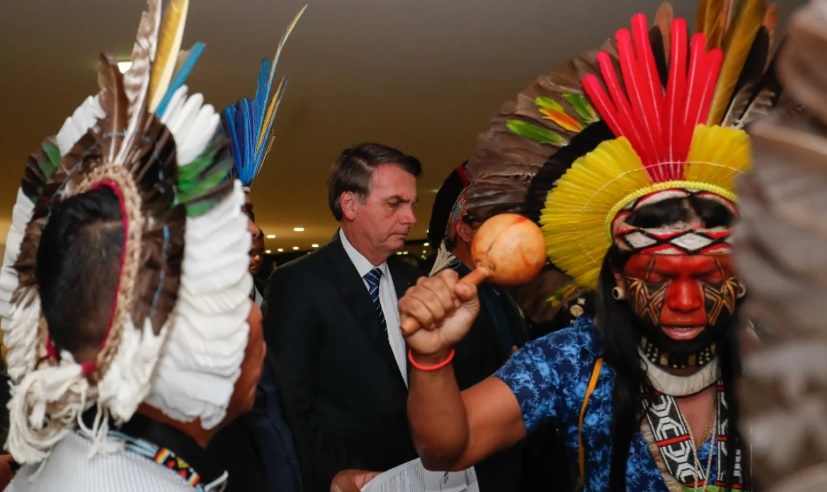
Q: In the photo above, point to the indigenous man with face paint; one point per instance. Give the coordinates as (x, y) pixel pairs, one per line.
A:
(641, 209)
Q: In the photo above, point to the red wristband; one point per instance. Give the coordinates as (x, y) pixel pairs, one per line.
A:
(434, 367)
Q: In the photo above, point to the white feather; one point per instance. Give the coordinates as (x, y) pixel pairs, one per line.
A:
(202, 359)
(129, 377)
(21, 336)
(21, 215)
(84, 118)
(192, 124)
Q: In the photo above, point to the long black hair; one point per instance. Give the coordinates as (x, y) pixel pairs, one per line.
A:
(618, 329)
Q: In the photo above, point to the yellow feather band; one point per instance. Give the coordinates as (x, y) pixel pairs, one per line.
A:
(579, 210)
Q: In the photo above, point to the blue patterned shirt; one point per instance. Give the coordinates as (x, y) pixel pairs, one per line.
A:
(549, 377)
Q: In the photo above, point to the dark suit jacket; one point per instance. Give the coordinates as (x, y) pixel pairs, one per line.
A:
(257, 449)
(340, 376)
(481, 351)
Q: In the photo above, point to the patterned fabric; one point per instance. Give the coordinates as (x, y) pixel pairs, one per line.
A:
(457, 214)
(676, 239)
(372, 278)
(162, 456)
(670, 433)
(549, 377)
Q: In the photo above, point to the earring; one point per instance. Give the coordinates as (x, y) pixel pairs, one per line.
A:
(618, 294)
(741, 291)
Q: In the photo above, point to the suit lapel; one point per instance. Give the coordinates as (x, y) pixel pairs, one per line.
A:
(402, 280)
(351, 288)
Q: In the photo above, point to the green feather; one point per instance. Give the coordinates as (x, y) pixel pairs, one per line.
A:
(584, 109)
(548, 103)
(206, 183)
(536, 133)
(47, 161)
(199, 199)
(189, 175)
(51, 151)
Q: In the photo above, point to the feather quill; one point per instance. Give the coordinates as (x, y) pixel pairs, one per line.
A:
(188, 62)
(169, 44)
(752, 82)
(700, 15)
(265, 134)
(713, 19)
(267, 121)
(249, 122)
(737, 44)
(771, 21)
(143, 52)
(756, 61)
(663, 21)
(115, 104)
(137, 78)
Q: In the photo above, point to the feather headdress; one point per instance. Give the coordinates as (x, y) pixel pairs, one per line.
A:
(675, 105)
(249, 122)
(781, 253)
(157, 148)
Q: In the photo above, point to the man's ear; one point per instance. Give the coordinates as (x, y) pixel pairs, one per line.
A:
(347, 201)
(465, 231)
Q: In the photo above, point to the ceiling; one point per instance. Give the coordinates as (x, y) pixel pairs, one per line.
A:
(420, 75)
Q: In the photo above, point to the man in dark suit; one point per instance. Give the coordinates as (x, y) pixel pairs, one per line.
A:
(332, 321)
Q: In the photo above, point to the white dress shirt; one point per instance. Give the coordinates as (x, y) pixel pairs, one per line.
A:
(387, 298)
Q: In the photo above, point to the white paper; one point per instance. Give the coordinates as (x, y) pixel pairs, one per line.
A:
(413, 477)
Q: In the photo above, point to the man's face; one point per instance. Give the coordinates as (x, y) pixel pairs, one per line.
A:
(386, 215)
(257, 252)
(684, 302)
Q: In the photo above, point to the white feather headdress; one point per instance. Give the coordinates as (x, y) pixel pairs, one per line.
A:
(179, 329)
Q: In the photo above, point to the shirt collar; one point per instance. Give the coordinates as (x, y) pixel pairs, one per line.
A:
(363, 266)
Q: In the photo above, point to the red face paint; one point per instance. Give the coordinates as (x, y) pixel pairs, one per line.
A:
(683, 300)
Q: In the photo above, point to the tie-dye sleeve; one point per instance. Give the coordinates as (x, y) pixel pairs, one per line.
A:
(543, 372)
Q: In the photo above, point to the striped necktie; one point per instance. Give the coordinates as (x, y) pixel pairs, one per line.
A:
(372, 278)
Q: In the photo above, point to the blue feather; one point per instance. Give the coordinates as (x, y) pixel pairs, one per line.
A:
(262, 93)
(245, 120)
(261, 150)
(234, 136)
(180, 77)
(248, 150)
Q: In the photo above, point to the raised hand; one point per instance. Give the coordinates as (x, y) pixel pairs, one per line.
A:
(444, 308)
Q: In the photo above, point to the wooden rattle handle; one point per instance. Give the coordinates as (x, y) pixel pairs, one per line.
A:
(507, 248)
(409, 325)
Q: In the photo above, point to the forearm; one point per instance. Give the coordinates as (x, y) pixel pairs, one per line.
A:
(437, 415)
